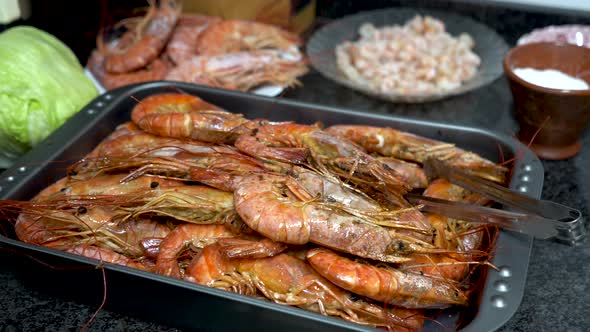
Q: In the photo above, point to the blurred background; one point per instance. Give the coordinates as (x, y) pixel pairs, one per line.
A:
(77, 23)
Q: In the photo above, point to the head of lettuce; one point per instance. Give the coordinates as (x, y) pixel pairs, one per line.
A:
(42, 84)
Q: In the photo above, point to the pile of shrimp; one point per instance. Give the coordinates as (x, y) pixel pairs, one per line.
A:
(419, 57)
(166, 44)
(297, 214)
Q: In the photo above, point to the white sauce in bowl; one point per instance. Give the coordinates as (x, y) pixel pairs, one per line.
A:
(551, 78)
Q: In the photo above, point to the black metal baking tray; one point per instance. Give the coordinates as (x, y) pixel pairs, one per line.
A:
(194, 307)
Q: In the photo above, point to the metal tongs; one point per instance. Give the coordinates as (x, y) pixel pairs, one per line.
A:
(539, 218)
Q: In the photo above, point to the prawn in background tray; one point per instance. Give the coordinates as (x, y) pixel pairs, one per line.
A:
(167, 44)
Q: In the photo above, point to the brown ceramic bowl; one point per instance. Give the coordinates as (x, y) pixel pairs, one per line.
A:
(552, 119)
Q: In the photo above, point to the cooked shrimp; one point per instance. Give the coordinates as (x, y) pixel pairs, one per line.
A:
(98, 225)
(186, 116)
(190, 203)
(460, 238)
(290, 142)
(412, 173)
(385, 284)
(461, 234)
(287, 280)
(153, 71)
(230, 36)
(251, 246)
(182, 165)
(305, 144)
(184, 41)
(60, 229)
(103, 186)
(403, 145)
(182, 236)
(149, 39)
(332, 192)
(266, 204)
(240, 71)
(419, 58)
(87, 212)
(131, 143)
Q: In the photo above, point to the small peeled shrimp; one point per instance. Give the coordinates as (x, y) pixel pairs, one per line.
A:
(387, 285)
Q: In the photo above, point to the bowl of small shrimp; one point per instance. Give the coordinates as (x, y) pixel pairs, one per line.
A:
(408, 55)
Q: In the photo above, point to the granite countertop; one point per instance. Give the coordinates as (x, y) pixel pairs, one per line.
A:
(555, 297)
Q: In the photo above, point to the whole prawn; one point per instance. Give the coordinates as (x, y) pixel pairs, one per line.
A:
(240, 71)
(141, 153)
(59, 229)
(189, 203)
(268, 206)
(186, 116)
(130, 141)
(143, 43)
(71, 212)
(281, 141)
(178, 240)
(230, 36)
(102, 186)
(154, 71)
(385, 284)
(173, 166)
(332, 192)
(288, 280)
(185, 38)
(403, 145)
(93, 225)
(163, 198)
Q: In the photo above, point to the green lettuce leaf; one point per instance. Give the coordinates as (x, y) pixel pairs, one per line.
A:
(42, 84)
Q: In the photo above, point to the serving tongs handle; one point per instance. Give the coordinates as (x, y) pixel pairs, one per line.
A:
(570, 222)
(525, 223)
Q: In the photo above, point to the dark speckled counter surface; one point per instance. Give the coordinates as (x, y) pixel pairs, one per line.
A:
(556, 295)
